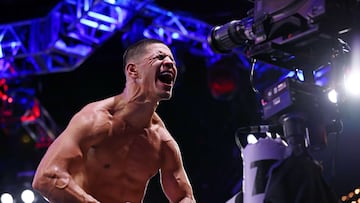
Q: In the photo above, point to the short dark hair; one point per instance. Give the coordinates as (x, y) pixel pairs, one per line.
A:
(138, 48)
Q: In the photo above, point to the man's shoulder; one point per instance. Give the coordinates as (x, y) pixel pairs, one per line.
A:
(94, 117)
(166, 137)
(94, 106)
(94, 111)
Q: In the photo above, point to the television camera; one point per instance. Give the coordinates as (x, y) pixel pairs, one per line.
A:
(306, 35)
(287, 33)
(295, 34)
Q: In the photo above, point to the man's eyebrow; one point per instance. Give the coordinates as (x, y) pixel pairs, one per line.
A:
(163, 53)
(169, 55)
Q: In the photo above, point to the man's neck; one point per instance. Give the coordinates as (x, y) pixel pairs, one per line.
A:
(138, 112)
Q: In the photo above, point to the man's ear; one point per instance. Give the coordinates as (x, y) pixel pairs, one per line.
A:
(131, 70)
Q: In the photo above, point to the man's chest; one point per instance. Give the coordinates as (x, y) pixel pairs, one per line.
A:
(136, 149)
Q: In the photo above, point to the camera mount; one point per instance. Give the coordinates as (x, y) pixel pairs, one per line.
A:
(307, 35)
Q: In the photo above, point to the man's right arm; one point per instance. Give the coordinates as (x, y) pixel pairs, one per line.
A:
(60, 187)
(56, 176)
(53, 179)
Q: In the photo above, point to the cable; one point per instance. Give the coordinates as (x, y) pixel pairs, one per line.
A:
(252, 73)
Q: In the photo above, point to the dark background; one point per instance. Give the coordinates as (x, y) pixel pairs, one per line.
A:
(203, 126)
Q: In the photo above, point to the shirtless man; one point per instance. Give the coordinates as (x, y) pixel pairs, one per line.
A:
(113, 147)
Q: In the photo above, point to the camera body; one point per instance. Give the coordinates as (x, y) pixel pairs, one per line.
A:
(286, 33)
(316, 115)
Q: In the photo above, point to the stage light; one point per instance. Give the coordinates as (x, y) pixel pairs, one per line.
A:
(222, 84)
(352, 82)
(251, 139)
(18, 190)
(23, 117)
(223, 78)
(27, 196)
(18, 102)
(332, 95)
(6, 198)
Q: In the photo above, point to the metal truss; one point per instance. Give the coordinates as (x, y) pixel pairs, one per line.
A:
(73, 30)
(21, 111)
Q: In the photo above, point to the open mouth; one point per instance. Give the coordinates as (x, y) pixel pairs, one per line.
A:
(166, 77)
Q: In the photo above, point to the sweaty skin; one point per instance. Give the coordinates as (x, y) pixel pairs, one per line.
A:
(111, 148)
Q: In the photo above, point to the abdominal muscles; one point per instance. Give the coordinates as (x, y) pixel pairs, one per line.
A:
(119, 168)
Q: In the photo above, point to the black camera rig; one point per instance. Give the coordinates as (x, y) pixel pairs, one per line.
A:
(295, 34)
(288, 33)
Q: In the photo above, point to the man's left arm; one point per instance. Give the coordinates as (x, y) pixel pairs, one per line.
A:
(175, 182)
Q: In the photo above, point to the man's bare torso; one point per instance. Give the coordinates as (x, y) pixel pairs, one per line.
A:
(118, 168)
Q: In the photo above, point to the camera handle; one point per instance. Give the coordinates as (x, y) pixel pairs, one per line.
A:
(295, 130)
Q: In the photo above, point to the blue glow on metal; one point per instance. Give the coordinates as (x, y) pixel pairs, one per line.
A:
(322, 81)
(110, 1)
(101, 17)
(244, 60)
(1, 52)
(300, 75)
(175, 35)
(161, 31)
(79, 49)
(159, 10)
(14, 44)
(125, 3)
(290, 74)
(321, 72)
(321, 75)
(146, 34)
(122, 15)
(9, 48)
(89, 23)
(96, 25)
(87, 5)
(2, 35)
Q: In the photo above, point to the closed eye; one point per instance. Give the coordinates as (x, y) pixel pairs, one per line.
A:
(160, 57)
(163, 56)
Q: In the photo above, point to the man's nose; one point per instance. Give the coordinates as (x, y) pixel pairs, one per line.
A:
(169, 64)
